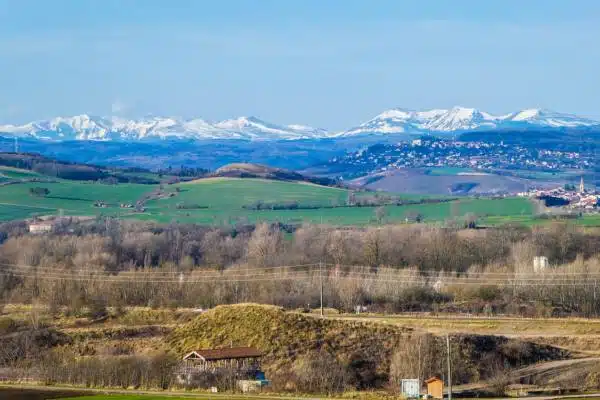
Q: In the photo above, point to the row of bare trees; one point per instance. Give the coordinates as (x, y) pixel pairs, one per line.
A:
(120, 245)
(390, 268)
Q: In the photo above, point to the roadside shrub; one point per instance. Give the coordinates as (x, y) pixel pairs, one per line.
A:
(320, 373)
(7, 325)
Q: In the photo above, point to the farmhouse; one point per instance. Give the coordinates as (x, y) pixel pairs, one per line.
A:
(40, 227)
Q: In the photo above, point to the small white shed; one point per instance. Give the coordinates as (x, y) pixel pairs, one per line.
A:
(410, 388)
(540, 263)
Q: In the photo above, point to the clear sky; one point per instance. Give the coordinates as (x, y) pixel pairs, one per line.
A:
(326, 63)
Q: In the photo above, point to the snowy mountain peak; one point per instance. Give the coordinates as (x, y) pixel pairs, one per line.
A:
(398, 113)
(393, 121)
(257, 128)
(456, 119)
(526, 114)
(86, 127)
(240, 123)
(549, 118)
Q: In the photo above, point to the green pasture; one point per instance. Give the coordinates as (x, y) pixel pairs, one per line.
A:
(16, 173)
(442, 171)
(73, 197)
(221, 201)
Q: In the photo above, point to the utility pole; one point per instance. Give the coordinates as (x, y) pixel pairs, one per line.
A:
(449, 369)
(321, 269)
(321, 281)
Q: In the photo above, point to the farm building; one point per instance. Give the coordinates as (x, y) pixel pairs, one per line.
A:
(240, 359)
(435, 387)
(540, 263)
(242, 362)
(40, 227)
(410, 388)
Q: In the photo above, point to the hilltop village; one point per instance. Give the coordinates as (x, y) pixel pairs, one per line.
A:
(428, 152)
(568, 196)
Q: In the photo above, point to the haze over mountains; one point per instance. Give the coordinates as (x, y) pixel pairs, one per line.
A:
(394, 121)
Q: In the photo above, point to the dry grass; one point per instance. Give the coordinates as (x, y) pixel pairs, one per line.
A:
(513, 327)
(285, 336)
(208, 180)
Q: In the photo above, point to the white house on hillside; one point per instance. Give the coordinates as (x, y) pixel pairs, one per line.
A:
(40, 227)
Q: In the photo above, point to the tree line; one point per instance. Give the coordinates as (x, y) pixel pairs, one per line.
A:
(389, 268)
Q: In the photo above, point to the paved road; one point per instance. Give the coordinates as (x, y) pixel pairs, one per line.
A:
(535, 369)
(550, 365)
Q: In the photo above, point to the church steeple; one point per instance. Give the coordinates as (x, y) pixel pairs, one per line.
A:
(581, 185)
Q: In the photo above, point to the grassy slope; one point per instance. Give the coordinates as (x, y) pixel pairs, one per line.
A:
(504, 326)
(16, 173)
(225, 198)
(75, 198)
(9, 174)
(284, 336)
(448, 170)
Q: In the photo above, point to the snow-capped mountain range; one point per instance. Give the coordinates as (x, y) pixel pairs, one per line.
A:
(85, 127)
(460, 119)
(394, 121)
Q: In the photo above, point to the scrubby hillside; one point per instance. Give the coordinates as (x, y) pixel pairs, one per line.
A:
(283, 335)
(36, 166)
(303, 352)
(364, 350)
(246, 170)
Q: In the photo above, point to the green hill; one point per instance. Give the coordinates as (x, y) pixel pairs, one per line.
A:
(72, 197)
(236, 193)
(27, 165)
(246, 170)
(230, 200)
(16, 173)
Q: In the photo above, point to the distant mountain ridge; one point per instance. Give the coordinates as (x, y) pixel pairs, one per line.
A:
(390, 122)
(461, 119)
(86, 127)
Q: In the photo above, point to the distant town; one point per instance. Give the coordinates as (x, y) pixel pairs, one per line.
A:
(472, 155)
(568, 196)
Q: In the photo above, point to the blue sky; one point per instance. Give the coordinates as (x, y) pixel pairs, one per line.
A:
(326, 63)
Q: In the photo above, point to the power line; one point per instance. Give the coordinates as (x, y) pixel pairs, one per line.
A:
(106, 279)
(391, 276)
(320, 266)
(290, 276)
(367, 276)
(147, 271)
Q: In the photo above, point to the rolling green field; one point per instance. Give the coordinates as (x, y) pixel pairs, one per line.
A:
(222, 200)
(447, 170)
(15, 173)
(74, 198)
